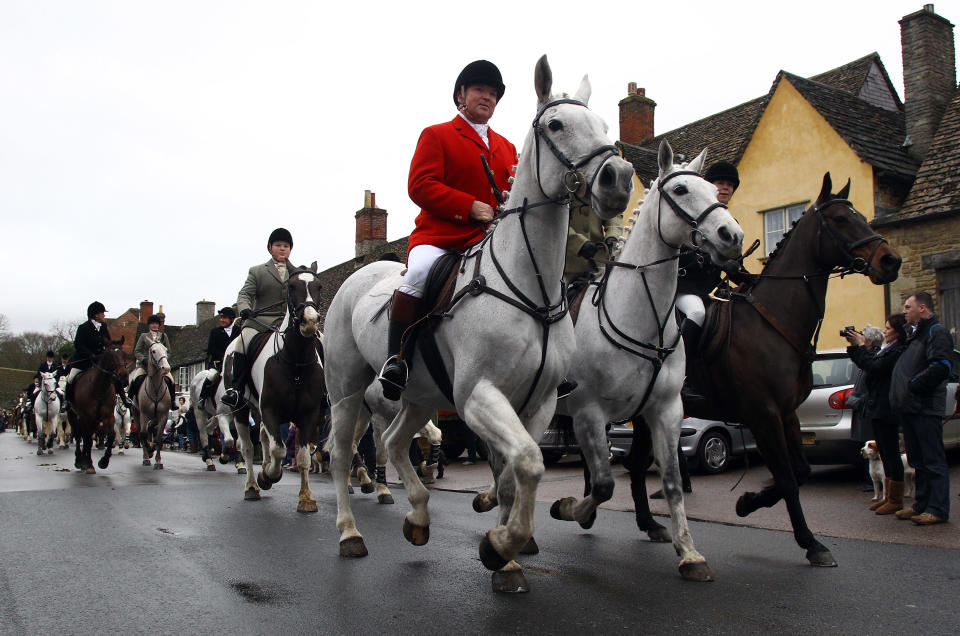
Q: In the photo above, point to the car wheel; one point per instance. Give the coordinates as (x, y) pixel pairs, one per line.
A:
(713, 453)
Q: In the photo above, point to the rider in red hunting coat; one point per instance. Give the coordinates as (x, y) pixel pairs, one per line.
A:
(449, 183)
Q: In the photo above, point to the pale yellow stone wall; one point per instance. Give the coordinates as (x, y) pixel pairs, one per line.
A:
(784, 163)
(913, 241)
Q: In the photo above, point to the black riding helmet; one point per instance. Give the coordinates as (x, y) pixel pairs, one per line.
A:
(154, 318)
(227, 312)
(723, 170)
(95, 308)
(280, 234)
(479, 72)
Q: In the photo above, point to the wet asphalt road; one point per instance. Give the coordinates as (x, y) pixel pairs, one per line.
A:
(179, 552)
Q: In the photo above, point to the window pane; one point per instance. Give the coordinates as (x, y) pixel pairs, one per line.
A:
(773, 229)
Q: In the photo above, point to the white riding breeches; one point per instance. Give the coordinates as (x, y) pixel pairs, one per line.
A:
(691, 306)
(419, 261)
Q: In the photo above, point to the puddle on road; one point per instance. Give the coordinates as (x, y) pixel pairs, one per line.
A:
(260, 595)
(167, 531)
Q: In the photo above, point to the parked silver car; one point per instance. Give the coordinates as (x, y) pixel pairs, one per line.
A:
(709, 445)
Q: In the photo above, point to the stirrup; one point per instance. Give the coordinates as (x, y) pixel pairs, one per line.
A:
(566, 388)
(231, 397)
(393, 386)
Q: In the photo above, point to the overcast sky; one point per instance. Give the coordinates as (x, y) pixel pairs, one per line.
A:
(147, 149)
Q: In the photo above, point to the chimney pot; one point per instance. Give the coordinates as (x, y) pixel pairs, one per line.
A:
(632, 88)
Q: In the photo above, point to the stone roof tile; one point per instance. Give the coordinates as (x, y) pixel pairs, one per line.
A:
(937, 188)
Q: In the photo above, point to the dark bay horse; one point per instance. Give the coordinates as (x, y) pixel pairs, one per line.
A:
(94, 399)
(754, 364)
(287, 386)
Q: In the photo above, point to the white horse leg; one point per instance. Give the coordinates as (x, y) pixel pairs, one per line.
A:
(384, 495)
(416, 525)
(664, 423)
(250, 490)
(344, 415)
(306, 502)
(590, 429)
(273, 452)
(489, 413)
(363, 477)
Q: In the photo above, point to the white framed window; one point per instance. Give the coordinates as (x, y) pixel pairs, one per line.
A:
(777, 222)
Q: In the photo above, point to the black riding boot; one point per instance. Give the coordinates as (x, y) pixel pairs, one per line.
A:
(204, 393)
(68, 396)
(170, 388)
(238, 380)
(691, 343)
(404, 311)
(121, 393)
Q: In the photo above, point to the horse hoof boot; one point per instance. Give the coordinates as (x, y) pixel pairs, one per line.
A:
(586, 525)
(696, 571)
(263, 482)
(91, 470)
(251, 494)
(241, 471)
(821, 559)
(211, 468)
(367, 488)
(489, 556)
(659, 534)
(353, 547)
(146, 462)
(531, 547)
(417, 535)
(307, 505)
(103, 463)
(385, 499)
(510, 582)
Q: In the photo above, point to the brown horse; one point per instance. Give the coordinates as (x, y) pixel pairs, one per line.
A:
(754, 366)
(94, 398)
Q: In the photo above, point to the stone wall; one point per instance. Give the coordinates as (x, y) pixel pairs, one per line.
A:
(914, 241)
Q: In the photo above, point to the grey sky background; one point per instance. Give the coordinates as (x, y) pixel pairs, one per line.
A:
(148, 149)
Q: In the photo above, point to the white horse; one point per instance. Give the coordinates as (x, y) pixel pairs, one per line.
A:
(46, 412)
(64, 434)
(153, 404)
(505, 347)
(630, 360)
(121, 421)
(213, 416)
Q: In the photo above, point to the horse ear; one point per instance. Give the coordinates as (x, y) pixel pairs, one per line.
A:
(665, 157)
(313, 267)
(825, 189)
(543, 80)
(697, 164)
(844, 191)
(583, 92)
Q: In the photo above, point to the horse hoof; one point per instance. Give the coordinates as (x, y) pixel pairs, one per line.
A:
(531, 547)
(510, 582)
(555, 510)
(251, 494)
(353, 547)
(103, 463)
(146, 462)
(158, 466)
(367, 488)
(385, 499)
(697, 571)
(744, 506)
(586, 525)
(211, 468)
(49, 451)
(489, 556)
(224, 460)
(39, 451)
(241, 471)
(659, 535)
(91, 470)
(350, 490)
(263, 482)
(483, 504)
(417, 535)
(307, 505)
(821, 559)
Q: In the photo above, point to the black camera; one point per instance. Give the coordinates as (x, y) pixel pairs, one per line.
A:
(848, 329)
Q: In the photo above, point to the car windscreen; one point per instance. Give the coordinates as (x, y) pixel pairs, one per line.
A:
(833, 372)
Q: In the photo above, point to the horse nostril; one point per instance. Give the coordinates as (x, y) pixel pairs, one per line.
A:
(607, 177)
(890, 262)
(725, 235)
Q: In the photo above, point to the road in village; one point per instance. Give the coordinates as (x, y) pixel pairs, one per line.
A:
(179, 551)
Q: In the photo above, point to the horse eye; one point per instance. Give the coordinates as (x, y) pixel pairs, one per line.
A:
(680, 189)
(555, 125)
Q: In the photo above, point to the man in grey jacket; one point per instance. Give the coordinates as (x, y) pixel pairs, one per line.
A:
(262, 303)
(918, 393)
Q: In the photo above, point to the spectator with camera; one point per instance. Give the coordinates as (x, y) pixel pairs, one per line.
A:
(876, 367)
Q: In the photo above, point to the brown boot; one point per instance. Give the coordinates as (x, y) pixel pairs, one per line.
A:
(894, 498)
(886, 490)
(906, 513)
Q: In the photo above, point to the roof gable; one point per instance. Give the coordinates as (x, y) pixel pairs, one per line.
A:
(865, 78)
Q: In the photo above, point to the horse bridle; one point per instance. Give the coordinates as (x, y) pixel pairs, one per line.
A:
(854, 264)
(297, 310)
(693, 221)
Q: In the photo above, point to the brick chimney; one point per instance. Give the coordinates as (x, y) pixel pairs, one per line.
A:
(929, 74)
(205, 310)
(146, 309)
(636, 115)
(371, 225)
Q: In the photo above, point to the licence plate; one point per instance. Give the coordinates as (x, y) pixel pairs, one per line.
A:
(808, 439)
